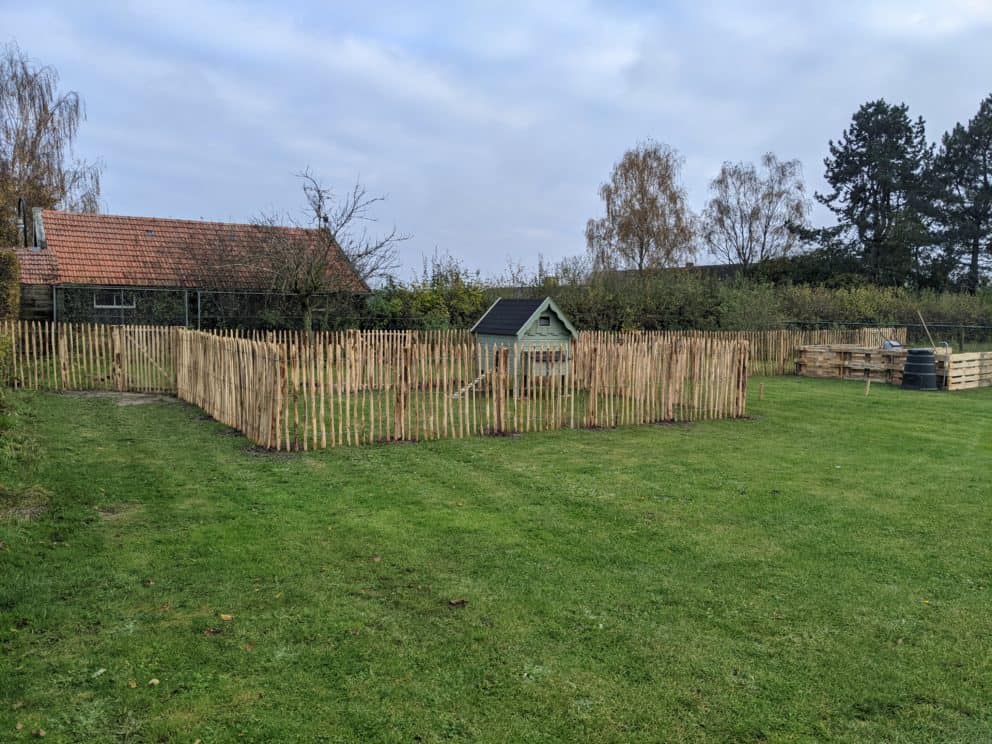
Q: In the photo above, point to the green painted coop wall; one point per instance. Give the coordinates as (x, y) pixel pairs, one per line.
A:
(536, 338)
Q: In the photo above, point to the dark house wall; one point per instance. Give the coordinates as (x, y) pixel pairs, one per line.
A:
(204, 309)
(36, 302)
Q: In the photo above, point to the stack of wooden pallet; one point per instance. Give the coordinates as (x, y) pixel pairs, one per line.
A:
(971, 370)
(851, 362)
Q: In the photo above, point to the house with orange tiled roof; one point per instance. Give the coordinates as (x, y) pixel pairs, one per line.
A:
(115, 269)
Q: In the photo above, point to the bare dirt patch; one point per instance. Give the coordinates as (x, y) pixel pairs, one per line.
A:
(255, 450)
(23, 504)
(125, 399)
(117, 512)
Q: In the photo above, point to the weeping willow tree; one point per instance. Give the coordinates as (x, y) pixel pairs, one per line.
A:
(38, 127)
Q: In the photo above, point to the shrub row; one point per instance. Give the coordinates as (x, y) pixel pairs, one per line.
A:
(681, 300)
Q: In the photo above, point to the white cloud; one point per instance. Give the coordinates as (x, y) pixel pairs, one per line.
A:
(921, 19)
(273, 39)
(490, 127)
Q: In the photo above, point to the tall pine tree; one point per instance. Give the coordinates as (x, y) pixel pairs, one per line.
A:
(962, 202)
(876, 175)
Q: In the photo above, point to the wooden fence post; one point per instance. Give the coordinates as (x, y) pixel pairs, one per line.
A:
(63, 356)
(115, 341)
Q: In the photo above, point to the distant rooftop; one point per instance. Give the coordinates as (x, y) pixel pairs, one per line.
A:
(104, 249)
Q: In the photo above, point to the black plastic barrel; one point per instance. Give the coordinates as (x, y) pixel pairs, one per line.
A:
(920, 372)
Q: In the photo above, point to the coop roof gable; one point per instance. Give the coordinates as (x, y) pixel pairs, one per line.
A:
(512, 317)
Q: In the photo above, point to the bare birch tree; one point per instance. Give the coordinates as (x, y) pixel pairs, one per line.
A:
(647, 223)
(754, 216)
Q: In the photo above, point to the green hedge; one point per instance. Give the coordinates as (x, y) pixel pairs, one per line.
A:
(678, 300)
(10, 287)
(681, 300)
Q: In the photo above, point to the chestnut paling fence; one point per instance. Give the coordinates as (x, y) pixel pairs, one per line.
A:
(67, 356)
(78, 356)
(296, 391)
(772, 352)
(334, 394)
(290, 390)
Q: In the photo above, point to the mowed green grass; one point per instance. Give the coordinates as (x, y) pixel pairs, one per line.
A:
(821, 571)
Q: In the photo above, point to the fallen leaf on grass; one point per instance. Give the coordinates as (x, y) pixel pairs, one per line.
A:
(132, 683)
(226, 618)
(212, 631)
(457, 602)
(19, 726)
(40, 733)
(249, 647)
(153, 682)
(376, 558)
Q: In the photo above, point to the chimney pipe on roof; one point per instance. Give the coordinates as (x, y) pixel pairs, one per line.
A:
(22, 222)
(39, 229)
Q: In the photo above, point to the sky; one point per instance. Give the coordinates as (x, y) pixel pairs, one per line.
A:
(488, 127)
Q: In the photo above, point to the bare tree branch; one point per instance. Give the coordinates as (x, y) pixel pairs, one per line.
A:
(330, 253)
(346, 222)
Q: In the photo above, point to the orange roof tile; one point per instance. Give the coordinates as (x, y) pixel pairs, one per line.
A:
(37, 267)
(153, 252)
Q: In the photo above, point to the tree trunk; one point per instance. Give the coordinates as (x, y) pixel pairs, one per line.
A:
(973, 265)
(307, 318)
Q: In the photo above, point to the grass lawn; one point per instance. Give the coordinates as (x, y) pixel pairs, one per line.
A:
(821, 571)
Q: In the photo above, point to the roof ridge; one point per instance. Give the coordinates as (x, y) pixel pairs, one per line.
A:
(161, 251)
(182, 220)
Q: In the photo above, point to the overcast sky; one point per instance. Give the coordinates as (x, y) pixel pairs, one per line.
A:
(489, 126)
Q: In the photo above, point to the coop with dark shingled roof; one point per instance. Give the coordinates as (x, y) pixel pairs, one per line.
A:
(536, 333)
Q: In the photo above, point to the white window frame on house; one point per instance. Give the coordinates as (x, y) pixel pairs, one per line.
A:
(120, 298)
